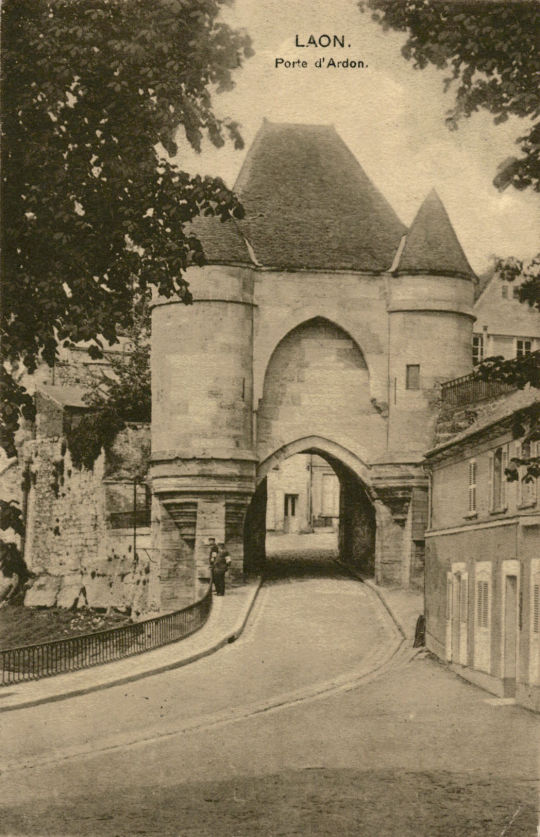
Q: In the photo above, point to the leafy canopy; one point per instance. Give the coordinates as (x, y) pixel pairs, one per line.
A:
(491, 51)
(92, 214)
(520, 371)
(122, 395)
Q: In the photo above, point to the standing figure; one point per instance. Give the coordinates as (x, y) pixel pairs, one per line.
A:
(220, 565)
(212, 555)
(213, 547)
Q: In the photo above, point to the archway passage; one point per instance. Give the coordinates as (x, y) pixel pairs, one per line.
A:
(315, 509)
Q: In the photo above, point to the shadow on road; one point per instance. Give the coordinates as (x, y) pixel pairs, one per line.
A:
(301, 566)
(296, 557)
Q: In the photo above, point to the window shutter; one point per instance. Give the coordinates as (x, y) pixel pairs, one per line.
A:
(482, 638)
(519, 482)
(536, 609)
(482, 604)
(490, 480)
(472, 486)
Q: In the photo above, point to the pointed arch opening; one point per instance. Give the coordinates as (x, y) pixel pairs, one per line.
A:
(316, 383)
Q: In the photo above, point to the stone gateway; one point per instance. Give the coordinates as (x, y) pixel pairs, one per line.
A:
(322, 325)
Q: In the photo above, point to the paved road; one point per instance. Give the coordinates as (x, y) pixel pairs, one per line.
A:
(313, 628)
(279, 735)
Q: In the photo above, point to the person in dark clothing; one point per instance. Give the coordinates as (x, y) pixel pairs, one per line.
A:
(213, 547)
(212, 555)
(220, 564)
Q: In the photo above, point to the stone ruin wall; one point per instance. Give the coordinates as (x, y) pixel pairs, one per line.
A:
(76, 541)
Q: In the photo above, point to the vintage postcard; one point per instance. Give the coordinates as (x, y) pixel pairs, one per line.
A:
(270, 554)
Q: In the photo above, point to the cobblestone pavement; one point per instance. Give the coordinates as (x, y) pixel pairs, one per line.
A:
(412, 751)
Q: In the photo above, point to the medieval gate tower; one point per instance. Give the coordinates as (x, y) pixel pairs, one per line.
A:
(322, 324)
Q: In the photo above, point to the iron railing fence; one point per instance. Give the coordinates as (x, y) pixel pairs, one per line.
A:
(32, 662)
(468, 390)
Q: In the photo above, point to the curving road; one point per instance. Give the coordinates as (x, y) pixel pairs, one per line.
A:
(313, 630)
(283, 733)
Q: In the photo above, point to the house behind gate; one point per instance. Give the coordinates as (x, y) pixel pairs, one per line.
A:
(482, 571)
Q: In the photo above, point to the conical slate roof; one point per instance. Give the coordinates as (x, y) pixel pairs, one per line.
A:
(431, 245)
(309, 204)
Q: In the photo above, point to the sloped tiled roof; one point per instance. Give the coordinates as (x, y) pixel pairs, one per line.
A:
(222, 241)
(432, 245)
(309, 204)
(483, 281)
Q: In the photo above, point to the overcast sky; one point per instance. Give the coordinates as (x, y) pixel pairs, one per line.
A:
(390, 115)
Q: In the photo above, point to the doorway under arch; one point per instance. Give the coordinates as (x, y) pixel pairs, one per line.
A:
(357, 522)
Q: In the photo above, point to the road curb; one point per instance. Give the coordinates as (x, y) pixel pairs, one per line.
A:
(230, 637)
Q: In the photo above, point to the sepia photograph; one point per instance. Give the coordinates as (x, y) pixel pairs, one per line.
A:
(270, 425)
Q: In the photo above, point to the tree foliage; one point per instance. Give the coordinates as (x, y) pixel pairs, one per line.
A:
(92, 212)
(12, 563)
(523, 370)
(14, 402)
(491, 52)
(11, 517)
(528, 274)
(127, 385)
(520, 371)
(122, 395)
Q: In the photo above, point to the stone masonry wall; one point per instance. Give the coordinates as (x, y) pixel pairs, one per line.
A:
(80, 557)
(316, 383)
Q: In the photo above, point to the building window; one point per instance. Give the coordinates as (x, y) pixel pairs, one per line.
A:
(504, 291)
(523, 347)
(497, 478)
(498, 463)
(472, 486)
(477, 349)
(515, 292)
(482, 604)
(413, 376)
(290, 505)
(526, 488)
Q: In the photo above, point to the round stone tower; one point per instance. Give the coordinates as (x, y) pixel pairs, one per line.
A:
(430, 321)
(203, 467)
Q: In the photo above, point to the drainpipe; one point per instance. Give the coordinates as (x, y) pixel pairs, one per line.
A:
(135, 519)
